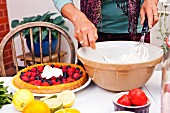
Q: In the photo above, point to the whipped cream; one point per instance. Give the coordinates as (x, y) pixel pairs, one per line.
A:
(48, 72)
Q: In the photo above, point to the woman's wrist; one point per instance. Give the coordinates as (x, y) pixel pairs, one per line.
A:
(70, 12)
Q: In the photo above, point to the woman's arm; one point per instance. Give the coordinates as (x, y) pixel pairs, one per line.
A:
(85, 31)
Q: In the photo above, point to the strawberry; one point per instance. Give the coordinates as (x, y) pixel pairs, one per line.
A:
(45, 84)
(138, 97)
(124, 100)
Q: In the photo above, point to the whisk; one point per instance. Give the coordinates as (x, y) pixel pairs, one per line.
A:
(140, 52)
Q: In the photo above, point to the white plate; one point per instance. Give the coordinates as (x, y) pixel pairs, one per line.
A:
(41, 95)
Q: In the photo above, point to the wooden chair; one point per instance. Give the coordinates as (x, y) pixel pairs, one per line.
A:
(29, 58)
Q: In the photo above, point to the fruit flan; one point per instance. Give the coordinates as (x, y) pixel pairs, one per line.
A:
(50, 78)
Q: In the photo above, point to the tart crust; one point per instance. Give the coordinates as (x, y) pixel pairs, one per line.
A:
(17, 82)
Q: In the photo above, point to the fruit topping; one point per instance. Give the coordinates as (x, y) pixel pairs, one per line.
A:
(51, 75)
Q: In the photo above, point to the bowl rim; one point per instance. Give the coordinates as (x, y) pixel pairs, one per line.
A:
(118, 95)
(149, 62)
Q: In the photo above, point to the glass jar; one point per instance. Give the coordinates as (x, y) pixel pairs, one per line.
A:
(165, 92)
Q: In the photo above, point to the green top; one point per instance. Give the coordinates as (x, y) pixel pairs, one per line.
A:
(113, 19)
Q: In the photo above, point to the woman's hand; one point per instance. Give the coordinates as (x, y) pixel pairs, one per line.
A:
(149, 8)
(85, 31)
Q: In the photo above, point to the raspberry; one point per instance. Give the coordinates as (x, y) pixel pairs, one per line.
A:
(70, 79)
(76, 76)
(53, 78)
(64, 67)
(32, 78)
(34, 69)
(72, 69)
(33, 74)
(64, 70)
(57, 67)
(45, 84)
(70, 73)
(25, 79)
(56, 83)
(64, 80)
(53, 81)
(37, 82)
(40, 68)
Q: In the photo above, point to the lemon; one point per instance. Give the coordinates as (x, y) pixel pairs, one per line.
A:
(54, 104)
(36, 106)
(21, 98)
(68, 110)
(60, 111)
(68, 98)
(71, 110)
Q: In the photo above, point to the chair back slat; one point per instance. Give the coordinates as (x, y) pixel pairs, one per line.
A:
(32, 46)
(40, 40)
(59, 46)
(14, 54)
(23, 48)
(50, 45)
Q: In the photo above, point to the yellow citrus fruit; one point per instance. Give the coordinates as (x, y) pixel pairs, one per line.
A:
(36, 106)
(60, 111)
(68, 98)
(68, 110)
(21, 98)
(54, 104)
(71, 110)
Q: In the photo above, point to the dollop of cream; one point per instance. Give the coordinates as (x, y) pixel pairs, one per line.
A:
(48, 72)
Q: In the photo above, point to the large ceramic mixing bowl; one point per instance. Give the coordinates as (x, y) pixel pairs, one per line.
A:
(119, 75)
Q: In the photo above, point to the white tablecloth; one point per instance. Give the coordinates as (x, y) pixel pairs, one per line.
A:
(94, 99)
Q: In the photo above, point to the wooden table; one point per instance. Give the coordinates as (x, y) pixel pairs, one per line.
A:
(94, 99)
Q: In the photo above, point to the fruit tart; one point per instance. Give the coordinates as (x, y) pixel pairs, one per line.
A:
(50, 78)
